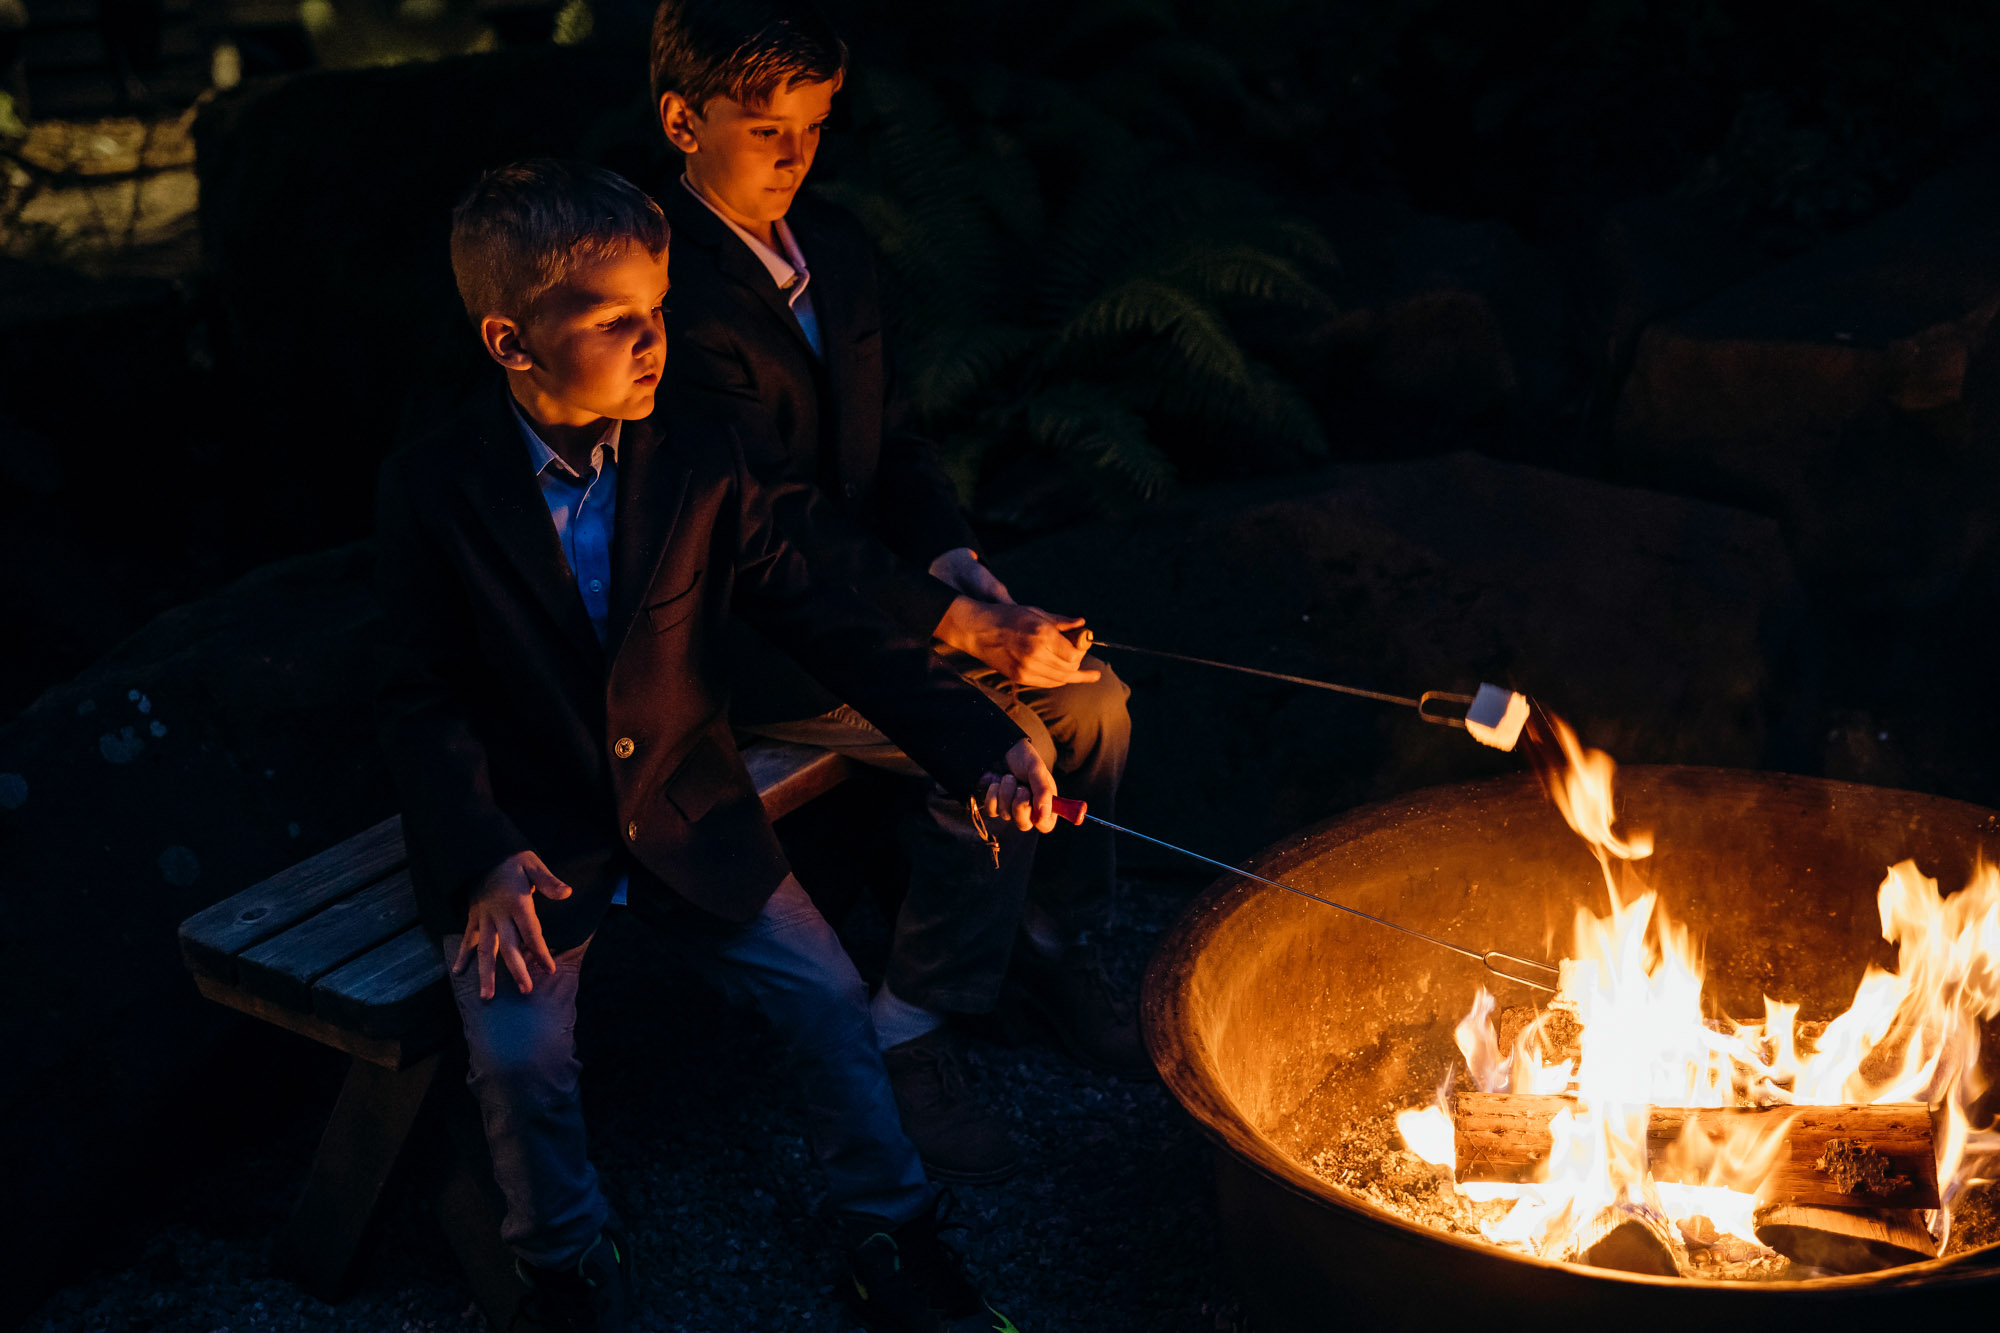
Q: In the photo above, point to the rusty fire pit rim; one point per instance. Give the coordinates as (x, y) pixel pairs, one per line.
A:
(1186, 1068)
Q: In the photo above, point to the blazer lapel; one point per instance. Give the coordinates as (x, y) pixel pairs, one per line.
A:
(651, 487)
(504, 495)
(833, 307)
(693, 222)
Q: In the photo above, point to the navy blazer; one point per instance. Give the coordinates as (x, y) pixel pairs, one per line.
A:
(877, 508)
(509, 728)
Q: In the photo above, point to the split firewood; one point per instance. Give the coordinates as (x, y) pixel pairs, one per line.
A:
(1846, 1240)
(1831, 1156)
(1627, 1236)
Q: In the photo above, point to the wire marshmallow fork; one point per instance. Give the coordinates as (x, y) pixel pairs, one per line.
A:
(1077, 812)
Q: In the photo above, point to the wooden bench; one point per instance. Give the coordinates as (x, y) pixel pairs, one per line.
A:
(331, 948)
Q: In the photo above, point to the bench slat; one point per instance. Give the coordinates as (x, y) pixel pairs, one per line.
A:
(284, 969)
(384, 991)
(211, 939)
(787, 775)
(335, 938)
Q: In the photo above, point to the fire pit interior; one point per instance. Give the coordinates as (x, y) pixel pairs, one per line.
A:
(1295, 1034)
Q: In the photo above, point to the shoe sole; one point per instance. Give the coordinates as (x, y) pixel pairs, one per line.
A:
(953, 1176)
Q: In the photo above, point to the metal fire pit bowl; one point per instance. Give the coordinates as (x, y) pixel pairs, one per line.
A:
(1275, 1020)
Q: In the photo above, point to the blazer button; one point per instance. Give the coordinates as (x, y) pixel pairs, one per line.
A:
(623, 749)
(850, 490)
(632, 831)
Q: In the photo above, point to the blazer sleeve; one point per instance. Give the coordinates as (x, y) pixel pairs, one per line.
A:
(455, 831)
(955, 733)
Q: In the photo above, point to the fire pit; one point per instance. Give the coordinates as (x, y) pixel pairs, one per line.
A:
(1279, 1024)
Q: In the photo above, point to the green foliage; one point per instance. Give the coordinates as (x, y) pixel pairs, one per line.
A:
(1058, 292)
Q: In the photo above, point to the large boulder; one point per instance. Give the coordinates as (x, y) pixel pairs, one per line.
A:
(226, 740)
(1845, 392)
(1665, 629)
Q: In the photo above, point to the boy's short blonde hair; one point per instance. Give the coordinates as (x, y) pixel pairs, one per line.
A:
(518, 232)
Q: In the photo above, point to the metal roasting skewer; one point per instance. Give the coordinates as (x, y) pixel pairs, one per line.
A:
(1076, 812)
(1422, 703)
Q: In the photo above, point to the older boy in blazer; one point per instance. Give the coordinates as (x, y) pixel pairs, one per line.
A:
(775, 312)
(558, 565)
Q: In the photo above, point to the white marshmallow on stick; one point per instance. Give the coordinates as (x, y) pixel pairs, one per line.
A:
(1497, 716)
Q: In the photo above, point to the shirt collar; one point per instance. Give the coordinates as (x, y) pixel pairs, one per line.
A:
(541, 456)
(783, 268)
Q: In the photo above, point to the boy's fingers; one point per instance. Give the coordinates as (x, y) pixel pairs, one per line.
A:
(468, 944)
(510, 953)
(549, 886)
(530, 927)
(517, 967)
(488, 947)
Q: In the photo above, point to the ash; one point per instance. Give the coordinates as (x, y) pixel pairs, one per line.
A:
(1370, 1160)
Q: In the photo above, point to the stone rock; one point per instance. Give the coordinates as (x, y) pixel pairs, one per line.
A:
(1665, 629)
(263, 693)
(1463, 317)
(1840, 392)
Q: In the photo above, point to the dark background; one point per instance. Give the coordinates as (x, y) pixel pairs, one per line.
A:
(1637, 354)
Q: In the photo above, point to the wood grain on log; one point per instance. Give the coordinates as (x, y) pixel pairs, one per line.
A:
(1629, 1237)
(1505, 1136)
(1846, 1240)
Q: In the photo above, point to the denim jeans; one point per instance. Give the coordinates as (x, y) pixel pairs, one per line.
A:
(956, 929)
(787, 961)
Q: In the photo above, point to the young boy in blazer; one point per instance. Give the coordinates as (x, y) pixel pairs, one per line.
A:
(775, 313)
(558, 565)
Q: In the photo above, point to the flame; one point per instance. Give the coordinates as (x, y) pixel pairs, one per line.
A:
(1634, 983)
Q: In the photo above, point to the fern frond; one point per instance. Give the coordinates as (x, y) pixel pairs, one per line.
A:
(1150, 311)
(1090, 429)
(1245, 274)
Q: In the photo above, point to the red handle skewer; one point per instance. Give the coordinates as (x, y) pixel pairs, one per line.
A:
(1071, 809)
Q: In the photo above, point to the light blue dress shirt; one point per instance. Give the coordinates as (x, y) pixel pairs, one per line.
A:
(584, 510)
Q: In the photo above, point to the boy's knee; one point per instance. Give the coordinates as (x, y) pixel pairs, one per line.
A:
(522, 1056)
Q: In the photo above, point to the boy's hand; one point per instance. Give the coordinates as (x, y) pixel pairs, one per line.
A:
(962, 568)
(502, 922)
(1025, 644)
(1026, 794)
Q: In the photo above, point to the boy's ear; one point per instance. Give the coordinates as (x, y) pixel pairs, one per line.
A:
(678, 121)
(502, 338)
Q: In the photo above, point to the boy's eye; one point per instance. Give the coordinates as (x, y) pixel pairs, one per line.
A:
(612, 323)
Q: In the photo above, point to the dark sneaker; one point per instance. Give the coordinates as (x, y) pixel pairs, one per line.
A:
(959, 1139)
(908, 1279)
(592, 1296)
(1071, 993)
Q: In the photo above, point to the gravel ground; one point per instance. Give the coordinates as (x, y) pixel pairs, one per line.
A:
(701, 1145)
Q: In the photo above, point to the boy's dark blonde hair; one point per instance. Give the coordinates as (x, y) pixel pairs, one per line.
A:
(518, 232)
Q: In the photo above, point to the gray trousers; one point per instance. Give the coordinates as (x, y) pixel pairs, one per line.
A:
(788, 962)
(956, 929)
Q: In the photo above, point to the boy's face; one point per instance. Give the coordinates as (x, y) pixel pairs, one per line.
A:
(751, 160)
(595, 346)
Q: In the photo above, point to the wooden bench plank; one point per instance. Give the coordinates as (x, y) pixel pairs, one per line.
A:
(390, 1054)
(211, 939)
(787, 775)
(388, 989)
(284, 968)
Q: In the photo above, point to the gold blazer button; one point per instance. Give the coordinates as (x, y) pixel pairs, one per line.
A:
(623, 749)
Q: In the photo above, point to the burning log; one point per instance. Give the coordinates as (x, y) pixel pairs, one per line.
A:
(1880, 1157)
(1630, 1236)
(1846, 1240)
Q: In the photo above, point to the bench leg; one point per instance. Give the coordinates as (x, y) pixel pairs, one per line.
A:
(469, 1209)
(364, 1141)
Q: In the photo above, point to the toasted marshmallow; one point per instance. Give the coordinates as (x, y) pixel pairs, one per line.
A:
(1497, 716)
